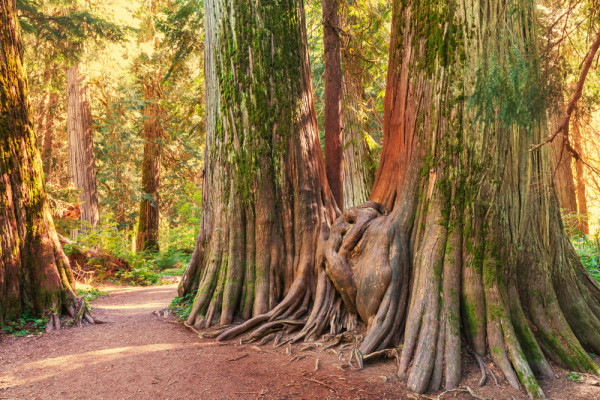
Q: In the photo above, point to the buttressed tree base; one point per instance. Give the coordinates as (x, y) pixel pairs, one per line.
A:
(35, 274)
(462, 236)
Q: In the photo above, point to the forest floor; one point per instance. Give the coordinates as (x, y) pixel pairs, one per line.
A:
(136, 354)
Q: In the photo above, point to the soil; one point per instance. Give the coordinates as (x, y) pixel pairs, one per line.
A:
(137, 354)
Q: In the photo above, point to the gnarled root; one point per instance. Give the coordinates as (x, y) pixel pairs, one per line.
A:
(76, 308)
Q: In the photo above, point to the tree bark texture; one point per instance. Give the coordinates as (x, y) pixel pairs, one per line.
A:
(147, 236)
(82, 161)
(580, 180)
(562, 173)
(463, 234)
(35, 274)
(334, 151)
(266, 200)
(48, 127)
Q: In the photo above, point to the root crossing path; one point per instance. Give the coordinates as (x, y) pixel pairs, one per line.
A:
(136, 354)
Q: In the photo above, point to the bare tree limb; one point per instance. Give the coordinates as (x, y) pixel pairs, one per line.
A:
(564, 126)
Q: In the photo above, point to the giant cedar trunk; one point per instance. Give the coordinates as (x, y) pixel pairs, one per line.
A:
(463, 236)
(266, 199)
(82, 161)
(147, 236)
(34, 272)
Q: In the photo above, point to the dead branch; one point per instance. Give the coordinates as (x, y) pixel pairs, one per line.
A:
(564, 126)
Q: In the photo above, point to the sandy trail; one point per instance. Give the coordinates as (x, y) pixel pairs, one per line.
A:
(137, 355)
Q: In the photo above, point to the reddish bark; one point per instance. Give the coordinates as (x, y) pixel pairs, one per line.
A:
(334, 150)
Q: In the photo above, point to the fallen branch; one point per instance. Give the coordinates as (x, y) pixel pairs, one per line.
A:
(238, 358)
(320, 383)
(466, 389)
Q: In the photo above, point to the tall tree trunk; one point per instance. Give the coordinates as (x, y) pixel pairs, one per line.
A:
(334, 150)
(562, 173)
(579, 173)
(82, 161)
(358, 162)
(35, 274)
(358, 172)
(147, 236)
(463, 235)
(265, 200)
(48, 128)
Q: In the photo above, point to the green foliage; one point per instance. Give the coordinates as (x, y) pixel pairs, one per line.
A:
(27, 324)
(513, 88)
(65, 29)
(365, 36)
(589, 253)
(575, 377)
(182, 22)
(91, 294)
(113, 243)
(182, 306)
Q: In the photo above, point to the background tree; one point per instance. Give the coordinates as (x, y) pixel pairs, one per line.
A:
(82, 161)
(334, 151)
(148, 226)
(363, 36)
(365, 39)
(34, 272)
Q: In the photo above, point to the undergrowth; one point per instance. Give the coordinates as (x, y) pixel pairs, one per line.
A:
(91, 294)
(588, 250)
(105, 253)
(25, 325)
(182, 306)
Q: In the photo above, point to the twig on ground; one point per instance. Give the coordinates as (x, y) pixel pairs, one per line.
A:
(238, 358)
(466, 389)
(320, 383)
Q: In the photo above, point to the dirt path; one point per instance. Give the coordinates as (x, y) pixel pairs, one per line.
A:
(137, 355)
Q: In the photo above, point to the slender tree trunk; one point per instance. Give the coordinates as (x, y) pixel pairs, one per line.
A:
(358, 163)
(334, 150)
(581, 197)
(82, 161)
(147, 236)
(35, 275)
(265, 199)
(463, 234)
(48, 128)
(562, 174)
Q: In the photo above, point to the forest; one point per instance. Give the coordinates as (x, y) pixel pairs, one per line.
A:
(397, 188)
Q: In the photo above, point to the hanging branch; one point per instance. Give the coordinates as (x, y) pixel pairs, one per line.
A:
(564, 126)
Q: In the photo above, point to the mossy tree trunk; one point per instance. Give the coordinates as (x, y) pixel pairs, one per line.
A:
(463, 235)
(147, 235)
(82, 161)
(35, 274)
(266, 200)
